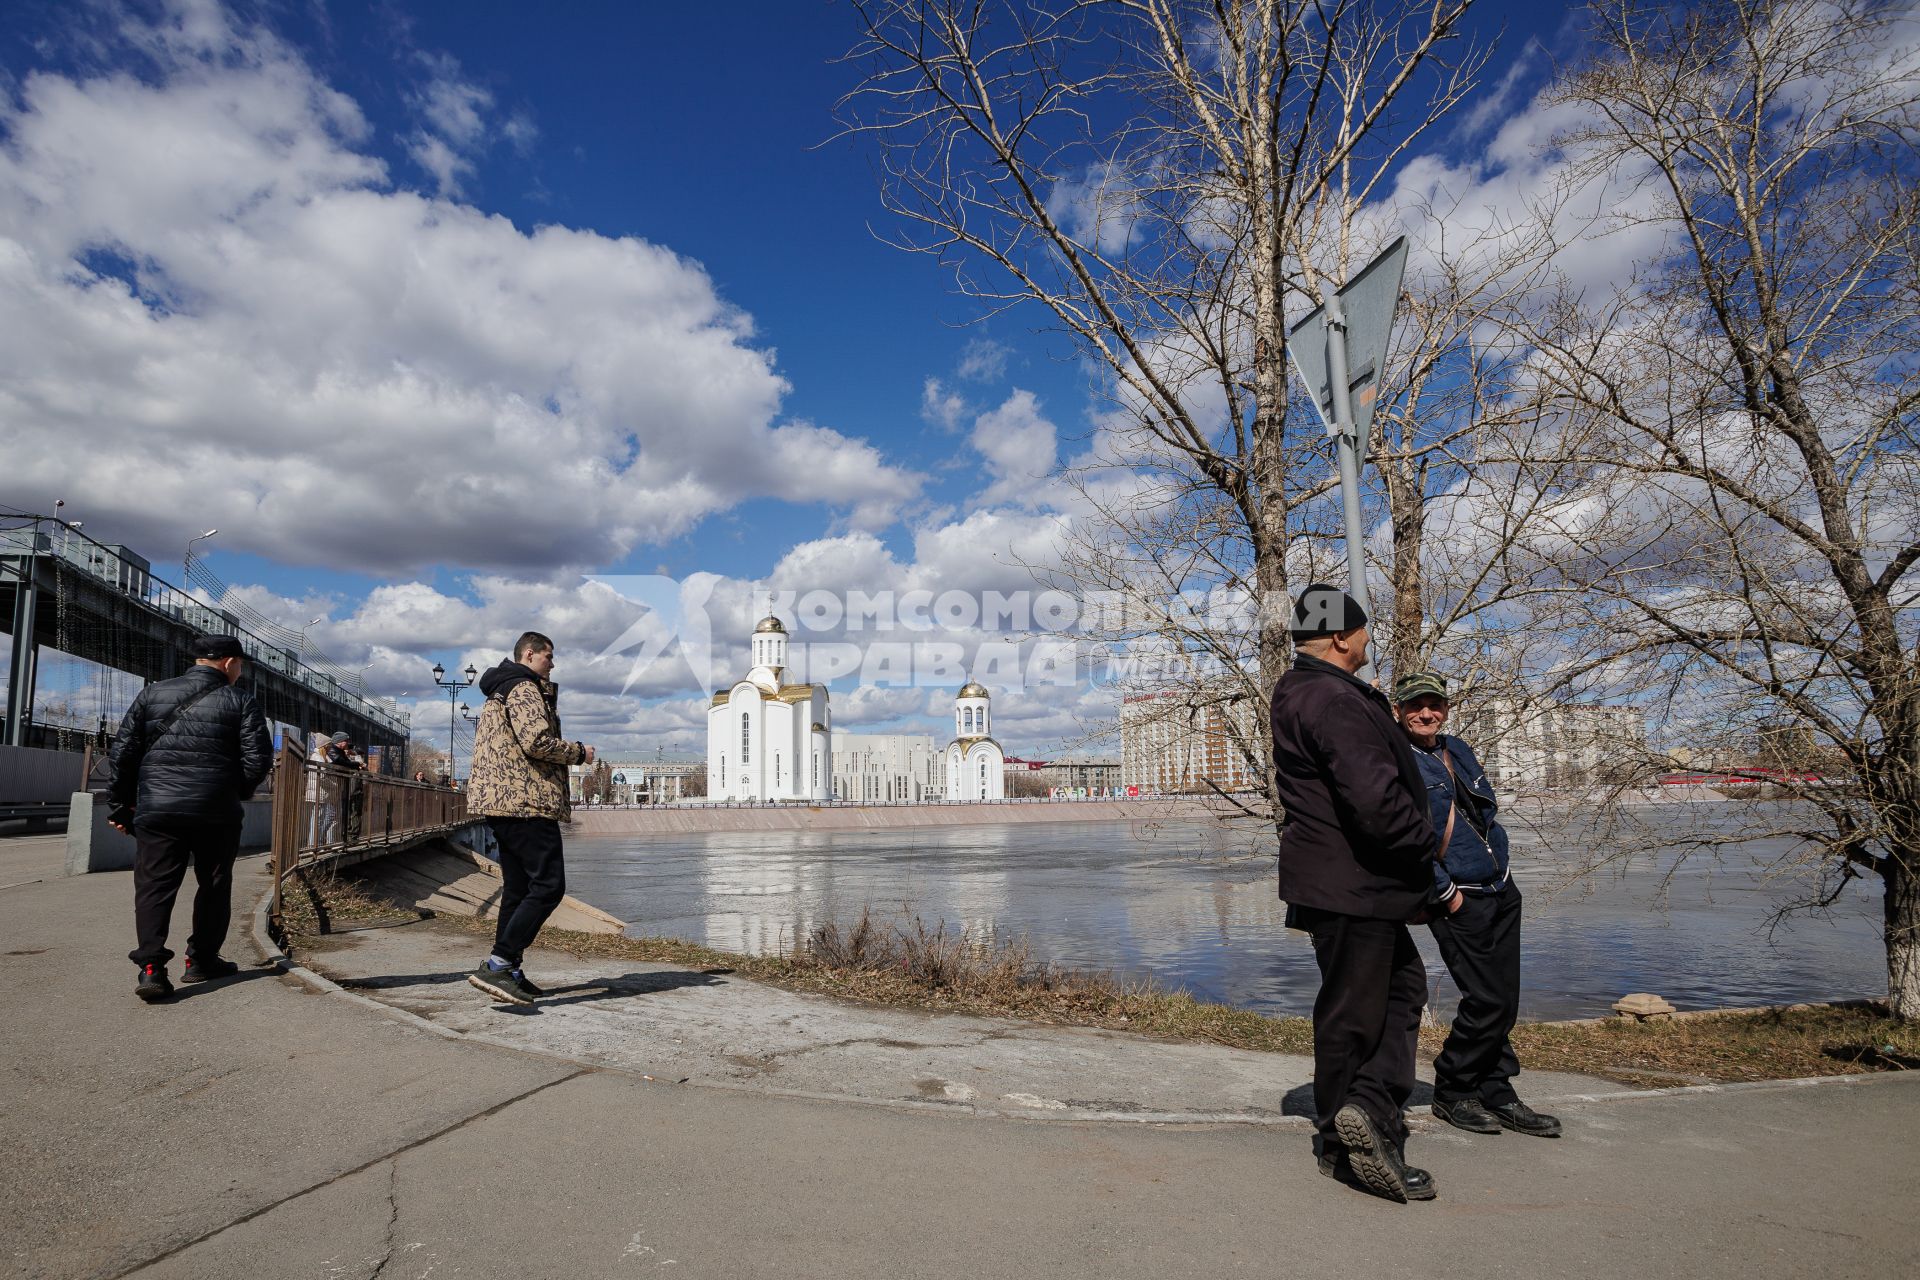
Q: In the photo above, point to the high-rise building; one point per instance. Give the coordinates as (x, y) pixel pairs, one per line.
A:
(1169, 746)
(1533, 744)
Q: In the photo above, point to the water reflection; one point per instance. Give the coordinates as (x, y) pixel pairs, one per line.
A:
(1186, 904)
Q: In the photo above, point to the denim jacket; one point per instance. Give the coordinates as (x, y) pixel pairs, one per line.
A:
(1472, 864)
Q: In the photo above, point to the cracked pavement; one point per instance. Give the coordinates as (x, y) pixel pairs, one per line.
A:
(256, 1127)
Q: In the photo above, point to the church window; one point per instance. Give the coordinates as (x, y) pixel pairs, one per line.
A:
(746, 738)
(776, 768)
(723, 770)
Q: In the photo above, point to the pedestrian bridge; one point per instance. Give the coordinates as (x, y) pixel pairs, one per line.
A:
(64, 592)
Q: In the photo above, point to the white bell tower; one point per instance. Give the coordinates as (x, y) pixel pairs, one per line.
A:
(970, 712)
(770, 644)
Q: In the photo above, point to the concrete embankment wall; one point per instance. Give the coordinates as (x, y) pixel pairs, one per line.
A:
(675, 820)
(448, 878)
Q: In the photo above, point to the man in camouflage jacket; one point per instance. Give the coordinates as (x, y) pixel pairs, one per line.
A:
(519, 785)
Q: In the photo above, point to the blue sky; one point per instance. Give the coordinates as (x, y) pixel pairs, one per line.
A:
(296, 335)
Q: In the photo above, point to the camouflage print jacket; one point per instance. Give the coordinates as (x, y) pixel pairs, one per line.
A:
(519, 758)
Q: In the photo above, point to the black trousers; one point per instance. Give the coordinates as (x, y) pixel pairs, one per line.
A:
(1366, 1019)
(535, 880)
(163, 848)
(1481, 945)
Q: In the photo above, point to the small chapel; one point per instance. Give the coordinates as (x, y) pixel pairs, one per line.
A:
(768, 740)
(976, 766)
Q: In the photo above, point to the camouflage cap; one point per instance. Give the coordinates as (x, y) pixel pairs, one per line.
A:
(1418, 684)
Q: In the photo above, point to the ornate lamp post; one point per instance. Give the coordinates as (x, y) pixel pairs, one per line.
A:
(453, 688)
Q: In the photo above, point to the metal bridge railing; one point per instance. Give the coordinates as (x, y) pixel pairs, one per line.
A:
(321, 814)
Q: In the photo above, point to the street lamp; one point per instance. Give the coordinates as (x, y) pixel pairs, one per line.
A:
(186, 565)
(453, 688)
(303, 630)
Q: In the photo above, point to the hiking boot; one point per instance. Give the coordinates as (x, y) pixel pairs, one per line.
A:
(1467, 1113)
(520, 975)
(199, 970)
(1521, 1118)
(501, 984)
(153, 985)
(1376, 1161)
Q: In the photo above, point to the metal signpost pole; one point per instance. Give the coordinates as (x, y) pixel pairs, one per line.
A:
(1347, 441)
(1354, 323)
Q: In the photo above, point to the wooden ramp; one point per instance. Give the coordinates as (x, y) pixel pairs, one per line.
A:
(447, 878)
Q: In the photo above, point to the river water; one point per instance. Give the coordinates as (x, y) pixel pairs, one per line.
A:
(1193, 906)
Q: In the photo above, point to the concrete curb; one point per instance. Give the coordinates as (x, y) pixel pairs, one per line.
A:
(281, 962)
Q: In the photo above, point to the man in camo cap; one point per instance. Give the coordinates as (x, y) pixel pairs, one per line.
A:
(1475, 920)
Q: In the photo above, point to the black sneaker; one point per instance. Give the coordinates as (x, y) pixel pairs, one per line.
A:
(520, 975)
(153, 985)
(1468, 1113)
(199, 970)
(501, 984)
(1521, 1118)
(1376, 1161)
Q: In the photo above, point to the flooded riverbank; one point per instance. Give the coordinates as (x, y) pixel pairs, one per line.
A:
(1193, 905)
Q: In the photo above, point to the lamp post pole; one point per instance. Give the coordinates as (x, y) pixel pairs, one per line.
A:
(186, 564)
(453, 688)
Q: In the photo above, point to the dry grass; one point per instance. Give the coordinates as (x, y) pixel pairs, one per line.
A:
(933, 968)
(1803, 1040)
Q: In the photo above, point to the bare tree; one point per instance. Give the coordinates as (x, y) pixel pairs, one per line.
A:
(1165, 180)
(1741, 540)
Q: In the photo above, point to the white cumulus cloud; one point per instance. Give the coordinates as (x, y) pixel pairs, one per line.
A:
(222, 311)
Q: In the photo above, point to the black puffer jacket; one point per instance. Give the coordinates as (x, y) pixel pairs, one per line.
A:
(1357, 838)
(213, 756)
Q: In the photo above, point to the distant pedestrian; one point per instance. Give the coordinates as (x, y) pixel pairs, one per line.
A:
(518, 782)
(334, 789)
(1355, 848)
(1476, 922)
(189, 751)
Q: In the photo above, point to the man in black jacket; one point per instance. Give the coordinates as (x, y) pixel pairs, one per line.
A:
(189, 751)
(1355, 852)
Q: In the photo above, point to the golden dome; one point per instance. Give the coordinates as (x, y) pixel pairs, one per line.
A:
(972, 689)
(769, 624)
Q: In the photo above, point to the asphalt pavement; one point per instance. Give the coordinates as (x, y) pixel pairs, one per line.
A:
(269, 1126)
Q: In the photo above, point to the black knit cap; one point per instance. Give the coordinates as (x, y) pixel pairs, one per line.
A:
(1322, 610)
(215, 647)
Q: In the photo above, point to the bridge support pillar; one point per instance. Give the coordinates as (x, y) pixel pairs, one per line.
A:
(25, 655)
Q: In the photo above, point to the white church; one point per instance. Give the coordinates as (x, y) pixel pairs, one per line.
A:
(766, 739)
(976, 766)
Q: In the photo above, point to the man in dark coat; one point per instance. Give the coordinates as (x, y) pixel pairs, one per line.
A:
(1355, 852)
(189, 751)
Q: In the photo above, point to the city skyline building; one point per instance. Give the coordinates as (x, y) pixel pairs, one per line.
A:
(1169, 747)
(883, 768)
